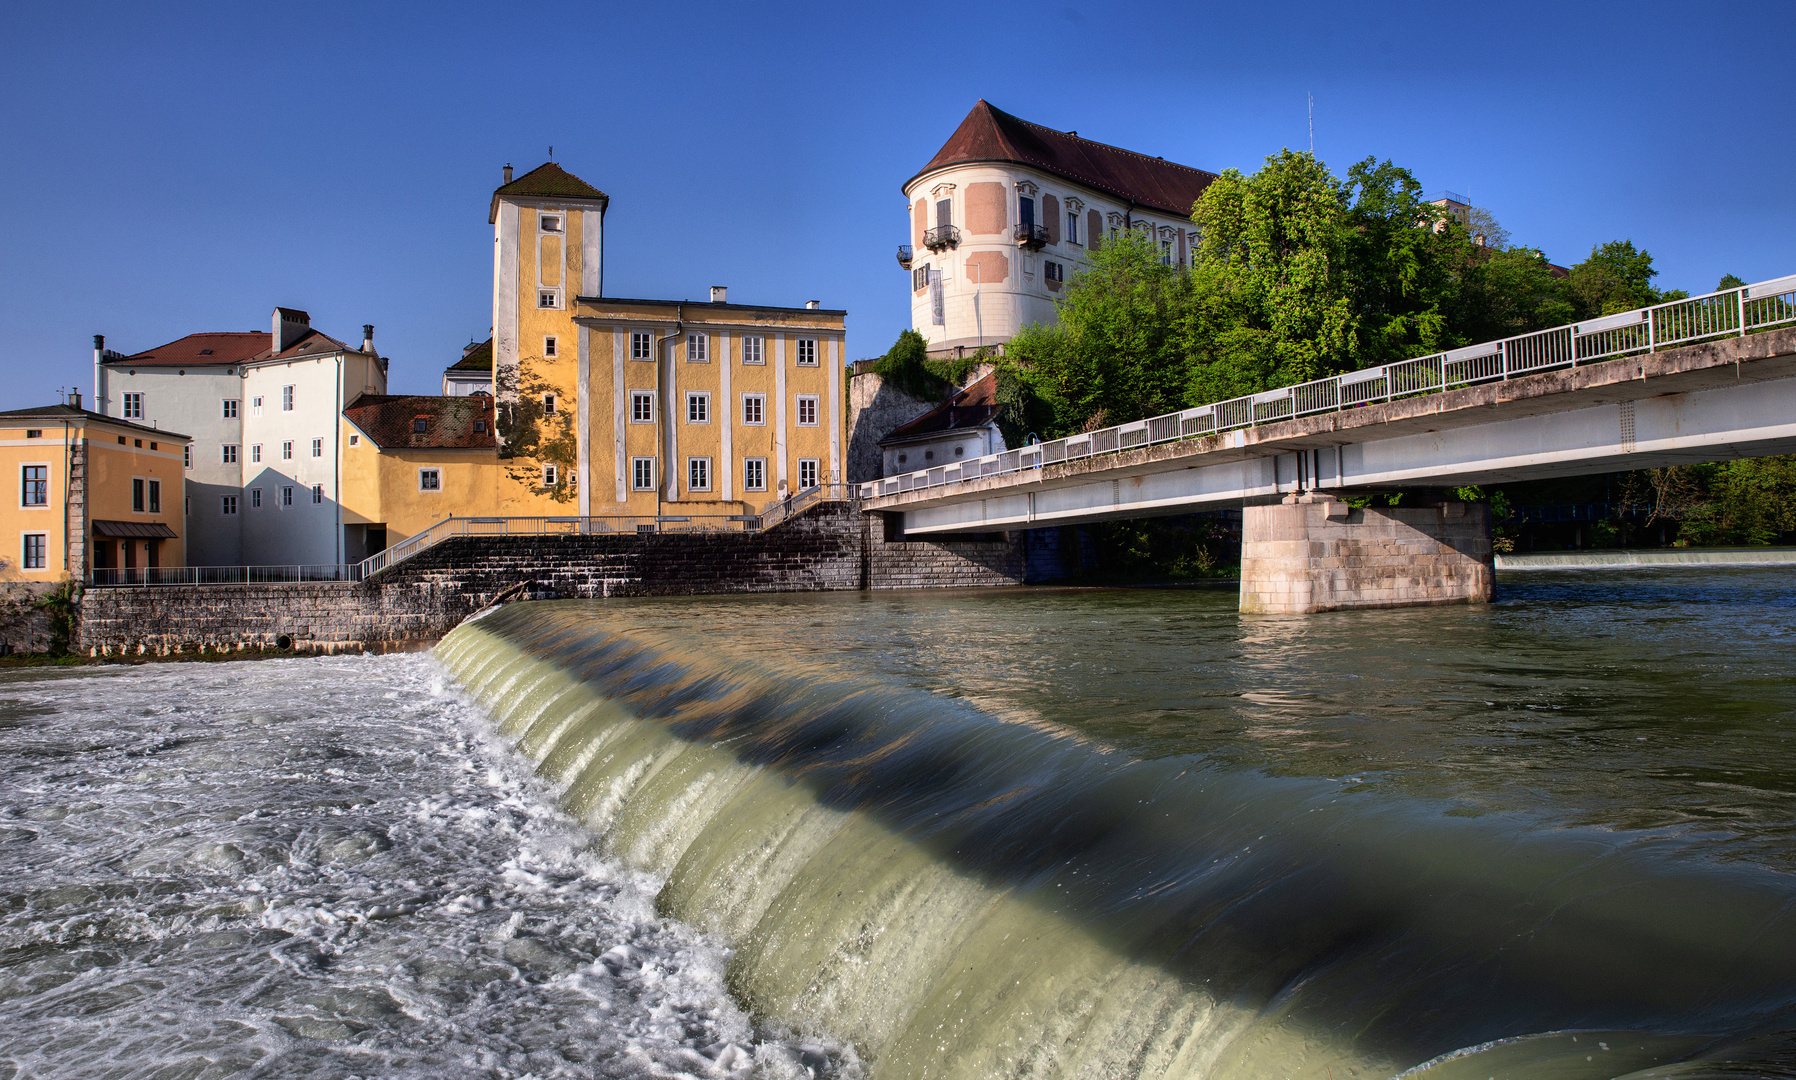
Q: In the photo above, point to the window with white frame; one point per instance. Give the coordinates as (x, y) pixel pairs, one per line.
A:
(698, 474)
(255, 406)
(698, 348)
(642, 474)
(754, 349)
(317, 494)
(155, 496)
(356, 440)
(548, 298)
(754, 408)
(550, 222)
(286, 399)
(230, 408)
(807, 410)
(317, 447)
(807, 472)
(642, 345)
(754, 474)
(549, 345)
(807, 352)
(36, 553)
(430, 479)
(134, 406)
(227, 454)
(34, 485)
(227, 505)
(548, 404)
(1166, 253)
(698, 408)
(286, 496)
(287, 451)
(255, 498)
(255, 453)
(550, 476)
(642, 407)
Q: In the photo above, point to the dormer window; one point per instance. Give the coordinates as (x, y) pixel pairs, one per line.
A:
(551, 222)
(420, 425)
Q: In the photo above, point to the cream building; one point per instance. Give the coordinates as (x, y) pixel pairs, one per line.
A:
(1007, 211)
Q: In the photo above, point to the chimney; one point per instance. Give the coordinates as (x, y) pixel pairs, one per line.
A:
(720, 294)
(289, 326)
(508, 172)
(100, 372)
(368, 338)
(813, 304)
(75, 398)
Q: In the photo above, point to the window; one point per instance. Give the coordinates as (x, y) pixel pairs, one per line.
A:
(286, 399)
(807, 473)
(807, 410)
(255, 453)
(754, 474)
(187, 456)
(548, 404)
(546, 299)
(34, 433)
(140, 444)
(187, 505)
(152, 445)
(550, 222)
(255, 406)
(430, 479)
(642, 407)
(37, 548)
(1025, 210)
(1052, 270)
(549, 345)
(227, 454)
(698, 348)
(230, 408)
(944, 213)
(549, 476)
(255, 498)
(479, 429)
(807, 352)
(317, 494)
(287, 451)
(1166, 253)
(420, 424)
(317, 447)
(227, 505)
(137, 494)
(121, 440)
(641, 347)
(698, 408)
(286, 496)
(754, 408)
(134, 406)
(754, 349)
(36, 485)
(642, 473)
(1072, 226)
(919, 278)
(155, 496)
(698, 474)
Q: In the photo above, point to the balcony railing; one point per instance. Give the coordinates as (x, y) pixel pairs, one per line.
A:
(1032, 237)
(904, 255)
(941, 238)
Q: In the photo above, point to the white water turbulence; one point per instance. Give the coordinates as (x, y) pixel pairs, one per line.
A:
(327, 868)
(957, 891)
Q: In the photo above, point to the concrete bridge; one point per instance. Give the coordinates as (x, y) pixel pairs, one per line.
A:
(1697, 380)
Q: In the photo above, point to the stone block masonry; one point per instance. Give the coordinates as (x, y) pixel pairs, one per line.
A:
(828, 547)
(1315, 553)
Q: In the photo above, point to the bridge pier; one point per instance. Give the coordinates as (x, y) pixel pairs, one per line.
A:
(1315, 553)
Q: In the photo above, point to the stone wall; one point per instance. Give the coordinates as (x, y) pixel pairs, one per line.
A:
(1318, 554)
(25, 627)
(828, 547)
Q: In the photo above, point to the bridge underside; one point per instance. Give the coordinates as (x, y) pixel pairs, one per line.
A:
(1729, 399)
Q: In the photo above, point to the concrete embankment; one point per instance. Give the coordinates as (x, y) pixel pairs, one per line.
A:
(1599, 560)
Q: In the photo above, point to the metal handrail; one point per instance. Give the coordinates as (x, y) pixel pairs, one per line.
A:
(451, 528)
(1728, 313)
(942, 236)
(111, 577)
(781, 509)
(1030, 235)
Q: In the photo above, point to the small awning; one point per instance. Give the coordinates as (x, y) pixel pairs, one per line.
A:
(134, 530)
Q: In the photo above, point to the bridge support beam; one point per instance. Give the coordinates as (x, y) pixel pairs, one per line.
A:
(1315, 553)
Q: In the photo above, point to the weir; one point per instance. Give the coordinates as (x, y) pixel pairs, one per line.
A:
(964, 894)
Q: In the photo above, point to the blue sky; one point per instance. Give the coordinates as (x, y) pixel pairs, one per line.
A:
(184, 167)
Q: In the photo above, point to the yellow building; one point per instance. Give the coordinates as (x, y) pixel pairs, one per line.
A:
(643, 407)
(92, 493)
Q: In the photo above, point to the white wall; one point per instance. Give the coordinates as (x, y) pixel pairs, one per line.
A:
(190, 401)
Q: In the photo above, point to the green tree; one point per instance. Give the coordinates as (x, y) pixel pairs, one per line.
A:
(1729, 281)
(1616, 277)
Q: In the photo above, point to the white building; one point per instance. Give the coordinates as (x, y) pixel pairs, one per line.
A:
(265, 412)
(1007, 211)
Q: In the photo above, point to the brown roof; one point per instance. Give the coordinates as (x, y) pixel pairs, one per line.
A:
(476, 358)
(146, 530)
(989, 134)
(314, 343)
(392, 421)
(198, 350)
(550, 181)
(968, 408)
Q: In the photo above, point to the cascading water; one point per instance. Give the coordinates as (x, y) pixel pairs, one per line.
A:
(972, 889)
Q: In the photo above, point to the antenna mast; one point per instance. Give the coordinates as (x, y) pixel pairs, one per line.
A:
(1312, 98)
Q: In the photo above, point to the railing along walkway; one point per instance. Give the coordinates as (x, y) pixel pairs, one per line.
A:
(1729, 313)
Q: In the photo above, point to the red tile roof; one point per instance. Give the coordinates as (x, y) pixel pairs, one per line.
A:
(989, 134)
(551, 181)
(198, 350)
(971, 407)
(391, 420)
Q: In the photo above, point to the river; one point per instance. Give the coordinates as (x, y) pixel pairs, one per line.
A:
(1010, 833)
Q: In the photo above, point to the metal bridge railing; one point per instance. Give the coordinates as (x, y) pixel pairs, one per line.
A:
(1729, 313)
